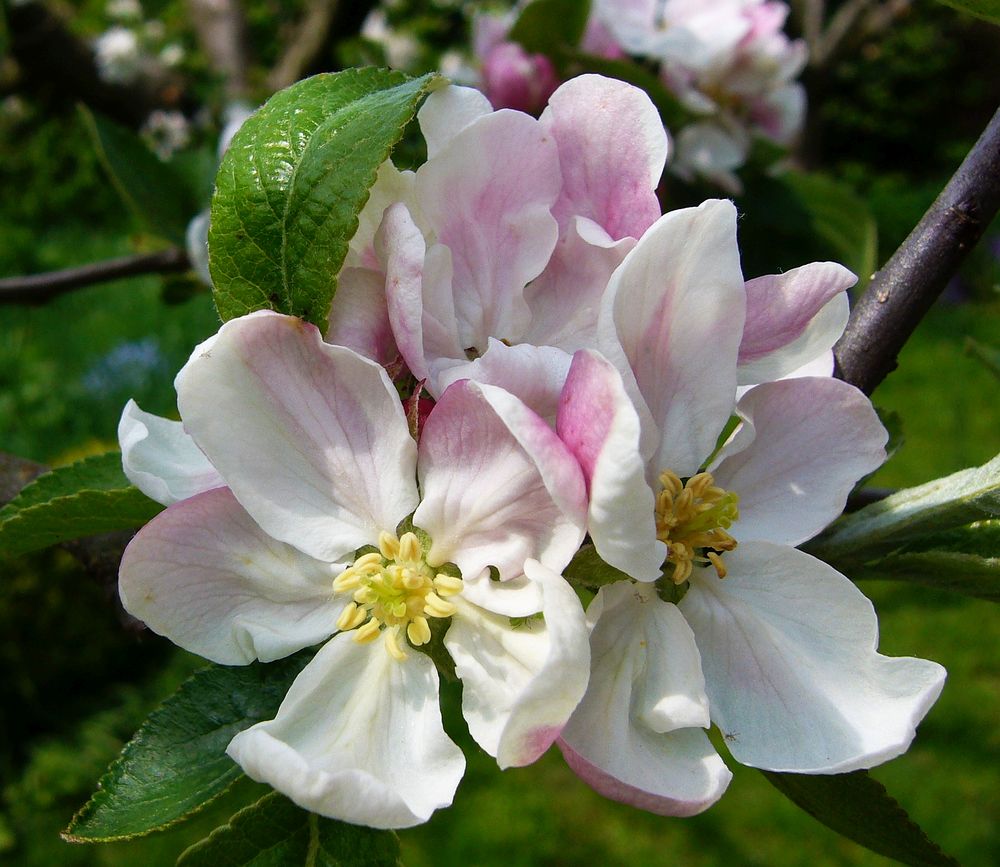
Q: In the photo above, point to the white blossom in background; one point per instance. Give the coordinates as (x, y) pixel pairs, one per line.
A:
(128, 10)
(167, 132)
(289, 486)
(172, 55)
(118, 55)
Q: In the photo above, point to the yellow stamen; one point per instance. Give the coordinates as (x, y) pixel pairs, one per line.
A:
(368, 632)
(392, 644)
(418, 631)
(447, 585)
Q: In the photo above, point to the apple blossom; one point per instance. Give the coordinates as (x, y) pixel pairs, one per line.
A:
(318, 514)
(722, 620)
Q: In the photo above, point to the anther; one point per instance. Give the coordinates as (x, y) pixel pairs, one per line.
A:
(392, 644)
(368, 632)
(409, 548)
(716, 561)
(447, 585)
(418, 631)
(437, 607)
(388, 545)
(351, 617)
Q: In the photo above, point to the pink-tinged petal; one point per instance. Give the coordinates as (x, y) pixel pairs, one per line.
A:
(358, 738)
(788, 646)
(311, 438)
(612, 149)
(671, 322)
(420, 306)
(534, 374)
(160, 459)
(803, 445)
(359, 318)
(781, 306)
(446, 112)
(565, 299)
(391, 186)
(599, 424)
(513, 78)
(636, 736)
(203, 574)
(487, 196)
(498, 485)
(521, 681)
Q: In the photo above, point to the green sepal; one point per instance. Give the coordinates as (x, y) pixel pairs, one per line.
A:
(589, 571)
(858, 807)
(177, 762)
(159, 196)
(274, 832)
(291, 186)
(82, 499)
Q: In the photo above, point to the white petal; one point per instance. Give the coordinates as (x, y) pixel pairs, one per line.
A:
(391, 186)
(803, 445)
(160, 459)
(359, 318)
(635, 737)
(671, 322)
(311, 438)
(203, 574)
(788, 646)
(448, 111)
(358, 738)
(599, 424)
(520, 683)
(498, 485)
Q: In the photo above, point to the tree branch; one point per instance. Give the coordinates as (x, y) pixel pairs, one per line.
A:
(304, 46)
(221, 28)
(40, 288)
(902, 292)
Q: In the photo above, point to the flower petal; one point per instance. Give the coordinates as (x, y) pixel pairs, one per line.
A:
(446, 112)
(803, 445)
(498, 485)
(311, 438)
(671, 323)
(599, 424)
(612, 149)
(358, 738)
(520, 683)
(359, 318)
(487, 196)
(391, 186)
(636, 735)
(788, 646)
(160, 459)
(203, 574)
(792, 318)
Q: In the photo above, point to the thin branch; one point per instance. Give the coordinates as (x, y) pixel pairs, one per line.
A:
(40, 288)
(305, 44)
(903, 291)
(221, 28)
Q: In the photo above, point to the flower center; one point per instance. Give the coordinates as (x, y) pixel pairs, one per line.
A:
(692, 519)
(394, 591)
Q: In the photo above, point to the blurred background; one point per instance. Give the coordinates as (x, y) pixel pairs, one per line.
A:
(894, 103)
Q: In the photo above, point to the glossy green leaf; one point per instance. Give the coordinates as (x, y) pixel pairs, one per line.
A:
(274, 832)
(988, 9)
(292, 184)
(858, 807)
(177, 761)
(547, 25)
(160, 197)
(83, 499)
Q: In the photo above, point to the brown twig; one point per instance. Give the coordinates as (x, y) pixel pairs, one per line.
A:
(40, 288)
(306, 42)
(221, 28)
(902, 292)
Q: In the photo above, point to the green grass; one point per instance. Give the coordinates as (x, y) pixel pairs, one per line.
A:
(541, 815)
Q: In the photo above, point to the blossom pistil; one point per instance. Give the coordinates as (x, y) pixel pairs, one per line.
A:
(395, 591)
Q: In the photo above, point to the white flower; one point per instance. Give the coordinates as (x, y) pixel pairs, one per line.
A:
(773, 646)
(118, 55)
(307, 471)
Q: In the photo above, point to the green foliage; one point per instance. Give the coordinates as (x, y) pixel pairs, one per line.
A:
(156, 193)
(944, 533)
(988, 355)
(987, 9)
(859, 808)
(546, 26)
(275, 833)
(86, 498)
(291, 186)
(177, 763)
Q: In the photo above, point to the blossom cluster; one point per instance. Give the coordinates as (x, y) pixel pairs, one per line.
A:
(727, 62)
(584, 381)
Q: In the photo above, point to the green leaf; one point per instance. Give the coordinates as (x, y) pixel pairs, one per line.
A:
(545, 26)
(83, 499)
(988, 9)
(292, 183)
(160, 197)
(274, 832)
(589, 571)
(177, 761)
(943, 534)
(858, 807)
(796, 217)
